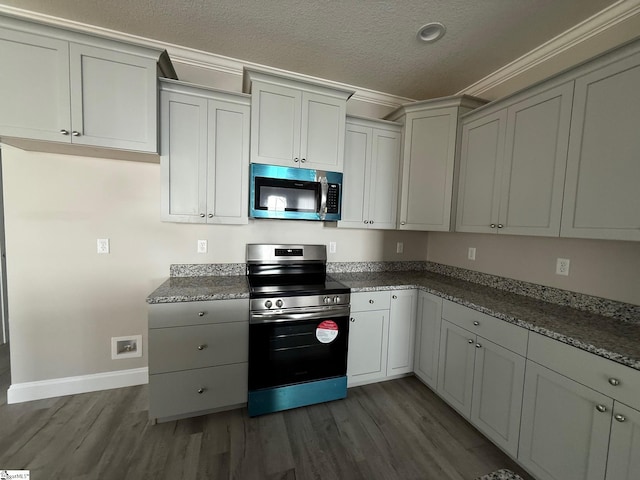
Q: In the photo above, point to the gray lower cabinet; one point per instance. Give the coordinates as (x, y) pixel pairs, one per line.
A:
(198, 357)
(204, 154)
(565, 427)
(624, 446)
(481, 378)
(402, 325)
(427, 347)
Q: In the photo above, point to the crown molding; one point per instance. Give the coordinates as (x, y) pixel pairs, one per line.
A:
(201, 59)
(595, 25)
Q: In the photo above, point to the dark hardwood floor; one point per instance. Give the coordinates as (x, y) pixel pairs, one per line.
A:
(390, 430)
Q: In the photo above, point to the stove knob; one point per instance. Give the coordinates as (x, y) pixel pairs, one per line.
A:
(279, 303)
(326, 299)
(268, 304)
(336, 299)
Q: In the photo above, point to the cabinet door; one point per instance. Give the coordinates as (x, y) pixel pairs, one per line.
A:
(355, 183)
(602, 198)
(427, 173)
(537, 139)
(368, 339)
(624, 447)
(228, 163)
(428, 321)
(183, 157)
(113, 99)
(402, 325)
(496, 406)
(34, 87)
(275, 124)
(383, 196)
(564, 435)
(480, 163)
(322, 132)
(455, 366)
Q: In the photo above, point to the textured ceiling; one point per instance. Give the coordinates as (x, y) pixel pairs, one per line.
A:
(366, 43)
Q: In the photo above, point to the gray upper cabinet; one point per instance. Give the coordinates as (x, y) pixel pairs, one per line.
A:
(204, 154)
(66, 87)
(371, 169)
(512, 165)
(602, 193)
(428, 161)
(296, 123)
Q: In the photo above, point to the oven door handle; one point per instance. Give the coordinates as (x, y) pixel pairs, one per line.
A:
(308, 313)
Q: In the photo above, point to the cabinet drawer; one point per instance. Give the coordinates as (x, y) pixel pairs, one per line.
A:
(586, 368)
(363, 301)
(498, 331)
(198, 313)
(197, 346)
(176, 393)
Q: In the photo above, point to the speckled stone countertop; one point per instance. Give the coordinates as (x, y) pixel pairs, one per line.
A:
(192, 289)
(604, 336)
(607, 337)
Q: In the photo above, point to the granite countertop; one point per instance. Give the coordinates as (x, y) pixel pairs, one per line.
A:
(607, 337)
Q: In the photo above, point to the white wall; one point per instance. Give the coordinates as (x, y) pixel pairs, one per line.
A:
(66, 301)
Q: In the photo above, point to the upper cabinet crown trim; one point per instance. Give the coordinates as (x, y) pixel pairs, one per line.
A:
(298, 82)
(178, 86)
(464, 101)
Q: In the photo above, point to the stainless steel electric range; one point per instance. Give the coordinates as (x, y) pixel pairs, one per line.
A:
(298, 328)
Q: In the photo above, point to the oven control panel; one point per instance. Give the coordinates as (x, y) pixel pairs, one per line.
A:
(285, 303)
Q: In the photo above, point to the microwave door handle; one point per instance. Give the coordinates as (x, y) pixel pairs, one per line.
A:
(324, 189)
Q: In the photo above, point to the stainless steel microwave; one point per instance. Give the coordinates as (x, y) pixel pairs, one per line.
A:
(294, 193)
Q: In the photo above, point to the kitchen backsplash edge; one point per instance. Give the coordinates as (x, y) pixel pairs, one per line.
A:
(580, 301)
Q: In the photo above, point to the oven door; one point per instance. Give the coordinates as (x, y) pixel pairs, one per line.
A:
(297, 350)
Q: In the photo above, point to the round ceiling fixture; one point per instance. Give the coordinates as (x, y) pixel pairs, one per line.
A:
(431, 32)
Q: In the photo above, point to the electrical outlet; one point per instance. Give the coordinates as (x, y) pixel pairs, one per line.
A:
(399, 247)
(472, 253)
(562, 266)
(202, 246)
(126, 347)
(103, 245)
(332, 247)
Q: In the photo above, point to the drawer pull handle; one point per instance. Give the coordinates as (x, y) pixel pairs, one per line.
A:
(201, 390)
(371, 301)
(601, 408)
(476, 324)
(202, 347)
(470, 341)
(395, 297)
(620, 418)
(201, 314)
(478, 345)
(614, 381)
(493, 225)
(64, 132)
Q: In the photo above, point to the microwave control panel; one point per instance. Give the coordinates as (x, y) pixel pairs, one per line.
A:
(333, 198)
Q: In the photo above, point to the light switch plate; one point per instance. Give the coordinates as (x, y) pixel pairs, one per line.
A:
(399, 247)
(472, 253)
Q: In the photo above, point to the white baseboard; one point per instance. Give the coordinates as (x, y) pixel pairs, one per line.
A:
(57, 387)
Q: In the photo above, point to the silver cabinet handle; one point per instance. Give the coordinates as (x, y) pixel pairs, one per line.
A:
(403, 223)
(202, 347)
(371, 222)
(211, 215)
(500, 225)
(202, 215)
(303, 160)
(353, 320)
(201, 314)
(476, 323)
(371, 301)
(620, 418)
(493, 225)
(395, 297)
(75, 133)
(296, 159)
(470, 341)
(64, 132)
(478, 345)
(614, 381)
(366, 221)
(601, 408)
(201, 390)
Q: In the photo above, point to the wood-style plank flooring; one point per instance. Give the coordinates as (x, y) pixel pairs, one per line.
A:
(391, 430)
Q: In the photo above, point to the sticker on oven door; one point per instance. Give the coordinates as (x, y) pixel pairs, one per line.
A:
(327, 331)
